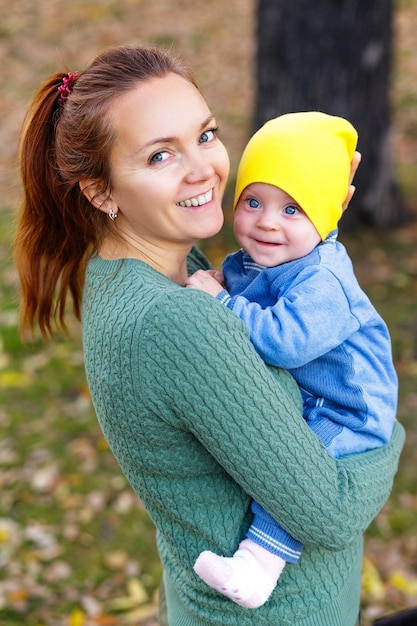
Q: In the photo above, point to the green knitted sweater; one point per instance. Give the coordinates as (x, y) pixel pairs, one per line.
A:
(199, 425)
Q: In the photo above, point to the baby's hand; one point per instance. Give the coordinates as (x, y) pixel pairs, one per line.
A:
(351, 190)
(206, 280)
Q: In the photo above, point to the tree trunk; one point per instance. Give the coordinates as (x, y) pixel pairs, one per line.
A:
(335, 56)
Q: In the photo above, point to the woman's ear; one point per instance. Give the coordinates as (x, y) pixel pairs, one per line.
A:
(94, 193)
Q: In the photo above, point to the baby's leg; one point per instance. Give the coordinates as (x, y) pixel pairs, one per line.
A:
(248, 577)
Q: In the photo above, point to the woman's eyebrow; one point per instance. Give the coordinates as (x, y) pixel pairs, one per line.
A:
(173, 138)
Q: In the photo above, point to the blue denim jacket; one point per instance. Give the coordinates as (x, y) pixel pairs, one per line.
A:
(310, 316)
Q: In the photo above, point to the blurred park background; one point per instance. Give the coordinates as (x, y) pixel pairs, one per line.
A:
(76, 546)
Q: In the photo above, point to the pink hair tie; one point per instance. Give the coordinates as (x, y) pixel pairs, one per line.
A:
(66, 87)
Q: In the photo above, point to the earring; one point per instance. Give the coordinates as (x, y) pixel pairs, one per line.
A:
(112, 215)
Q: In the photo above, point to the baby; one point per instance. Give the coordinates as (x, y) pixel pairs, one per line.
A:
(293, 285)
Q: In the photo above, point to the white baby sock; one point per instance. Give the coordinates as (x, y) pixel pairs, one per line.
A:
(248, 577)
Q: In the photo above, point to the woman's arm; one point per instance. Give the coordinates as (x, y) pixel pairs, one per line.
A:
(245, 414)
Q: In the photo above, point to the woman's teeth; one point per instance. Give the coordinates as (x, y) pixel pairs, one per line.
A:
(197, 200)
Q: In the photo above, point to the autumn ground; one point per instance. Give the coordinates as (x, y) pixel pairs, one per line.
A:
(76, 548)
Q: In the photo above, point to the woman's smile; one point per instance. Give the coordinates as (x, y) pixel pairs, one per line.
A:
(198, 200)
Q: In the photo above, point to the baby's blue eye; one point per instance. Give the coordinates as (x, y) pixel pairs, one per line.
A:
(254, 204)
(291, 210)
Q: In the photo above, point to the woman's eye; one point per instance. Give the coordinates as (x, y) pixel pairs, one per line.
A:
(159, 156)
(254, 204)
(208, 135)
(291, 210)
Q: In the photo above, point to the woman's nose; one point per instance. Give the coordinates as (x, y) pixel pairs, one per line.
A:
(199, 168)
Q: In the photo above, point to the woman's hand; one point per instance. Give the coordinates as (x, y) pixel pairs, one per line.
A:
(354, 166)
(206, 280)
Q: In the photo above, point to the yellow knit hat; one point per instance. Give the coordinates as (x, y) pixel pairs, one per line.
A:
(307, 155)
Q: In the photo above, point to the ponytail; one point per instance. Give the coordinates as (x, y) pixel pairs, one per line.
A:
(42, 243)
(50, 248)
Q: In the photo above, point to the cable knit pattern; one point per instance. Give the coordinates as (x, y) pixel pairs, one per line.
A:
(199, 425)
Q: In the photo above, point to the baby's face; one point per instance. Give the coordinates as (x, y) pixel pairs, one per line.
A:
(271, 227)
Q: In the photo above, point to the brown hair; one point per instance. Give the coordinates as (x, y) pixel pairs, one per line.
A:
(58, 229)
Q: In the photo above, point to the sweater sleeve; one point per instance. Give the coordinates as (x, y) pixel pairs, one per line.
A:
(248, 417)
(290, 332)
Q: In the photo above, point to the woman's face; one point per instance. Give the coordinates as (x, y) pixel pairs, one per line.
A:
(168, 167)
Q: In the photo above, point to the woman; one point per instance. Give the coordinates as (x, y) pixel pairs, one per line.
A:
(123, 173)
